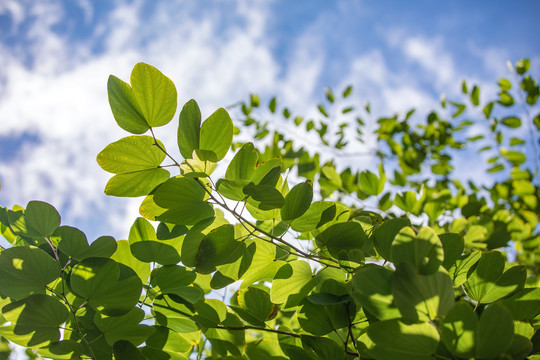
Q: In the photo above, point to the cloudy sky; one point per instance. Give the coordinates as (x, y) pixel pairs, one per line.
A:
(56, 55)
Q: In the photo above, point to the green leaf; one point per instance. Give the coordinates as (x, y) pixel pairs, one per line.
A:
(174, 279)
(136, 160)
(135, 184)
(318, 214)
(422, 297)
(453, 245)
(253, 305)
(217, 133)
(124, 256)
(264, 265)
(155, 94)
(111, 288)
(423, 250)
(406, 201)
(71, 241)
(370, 183)
(189, 128)
(232, 189)
(459, 330)
(243, 163)
(210, 312)
(175, 315)
(297, 201)
(65, 349)
(124, 106)
(37, 221)
(522, 66)
(167, 344)
(266, 197)
(35, 320)
(217, 248)
(475, 95)
(373, 291)
(347, 91)
(291, 284)
(488, 282)
(488, 109)
(384, 235)
(124, 350)
(147, 248)
(512, 122)
(25, 271)
(194, 237)
(178, 200)
(505, 99)
(323, 319)
(494, 332)
(272, 105)
(458, 272)
(132, 153)
(524, 305)
(343, 237)
(126, 327)
(394, 339)
(202, 164)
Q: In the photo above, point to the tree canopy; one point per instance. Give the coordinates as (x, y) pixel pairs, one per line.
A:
(321, 260)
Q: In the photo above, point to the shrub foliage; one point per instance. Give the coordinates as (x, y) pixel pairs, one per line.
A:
(320, 260)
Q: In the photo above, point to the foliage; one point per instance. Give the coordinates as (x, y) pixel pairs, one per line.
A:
(325, 263)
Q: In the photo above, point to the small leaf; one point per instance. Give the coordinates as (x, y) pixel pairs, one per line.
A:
(512, 122)
(243, 164)
(475, 95)
(318, 214)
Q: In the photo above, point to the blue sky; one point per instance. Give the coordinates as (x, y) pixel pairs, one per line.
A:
(55, 57)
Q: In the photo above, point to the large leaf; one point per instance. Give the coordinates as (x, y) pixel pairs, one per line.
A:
(453, 245)
(322, 319)
(488, 282)
(423, 250)
(292, 283)
(178, 200)
(297, 201)
(201, 164)
(174, 279)
(264, 265)
(342, 238)
(217, 248)
(524, 305)
(132, 153)
(264, 197)
(494, 332)
(124, 256)
(146, 247)
(37, 221)
(459, 330)
(384, 236)
(136, 161)
(65, 349)
(175, 315)
(25, 271)
(217, 133)
(373, 290)
(71, 241)
(243, 163)
(35, 320)
(124, 106)
(111, 288)
(125, 327)
(318, 214)
(189, 128)
(210, 312)
(167, 344)
(458, 272)
(155, 94)
(422, 297)
(394, 339)
(253, 305)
